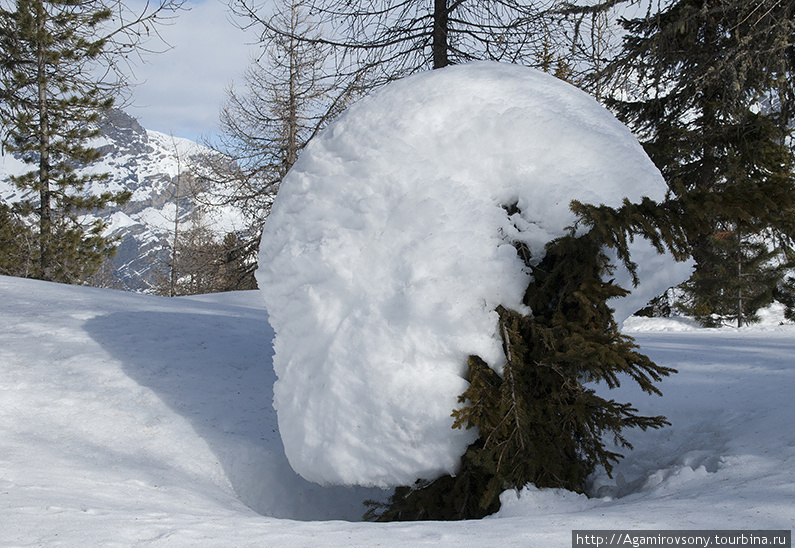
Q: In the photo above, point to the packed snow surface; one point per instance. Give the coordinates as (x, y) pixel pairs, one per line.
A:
(390, 245)
(131, 420)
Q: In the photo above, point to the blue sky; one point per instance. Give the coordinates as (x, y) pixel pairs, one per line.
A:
(180, 90)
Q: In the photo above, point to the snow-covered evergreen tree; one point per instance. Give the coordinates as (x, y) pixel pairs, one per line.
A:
(712, 105)
(541, 422)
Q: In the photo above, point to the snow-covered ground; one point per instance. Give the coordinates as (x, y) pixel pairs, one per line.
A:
(132, 420)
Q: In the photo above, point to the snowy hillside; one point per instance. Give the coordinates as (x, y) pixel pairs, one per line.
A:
(133, 420)
(146, 163)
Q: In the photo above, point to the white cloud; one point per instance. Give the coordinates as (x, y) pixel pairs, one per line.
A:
(180, 90)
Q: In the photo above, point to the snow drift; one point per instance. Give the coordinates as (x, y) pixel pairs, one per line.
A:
(390, 245)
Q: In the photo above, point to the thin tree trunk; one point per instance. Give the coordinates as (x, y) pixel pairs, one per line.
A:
(45, 196)
(740, 317)
(440, 22)
(292, 110)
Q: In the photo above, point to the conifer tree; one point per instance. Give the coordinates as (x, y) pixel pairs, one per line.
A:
(16, 240)
(741, 275)
(52, 94)
(712, 104)
(785, 294)
(540, 421)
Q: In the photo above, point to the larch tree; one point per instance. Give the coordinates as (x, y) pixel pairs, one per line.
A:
(285, 98)
(283, 101)
(380, 41)
(712, 101)
(62, 66)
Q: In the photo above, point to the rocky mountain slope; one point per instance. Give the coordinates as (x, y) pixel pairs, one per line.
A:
(155, 168)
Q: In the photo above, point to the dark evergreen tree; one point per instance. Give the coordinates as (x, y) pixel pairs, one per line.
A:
(16, 242)
(237, 265)
(712, 104)
(540, 421)
(785, 294)
(741, 276)
(53, 54)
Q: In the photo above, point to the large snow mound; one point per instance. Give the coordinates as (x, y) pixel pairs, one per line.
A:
(389, 247)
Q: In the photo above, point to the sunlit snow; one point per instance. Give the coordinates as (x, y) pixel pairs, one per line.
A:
(131, 420)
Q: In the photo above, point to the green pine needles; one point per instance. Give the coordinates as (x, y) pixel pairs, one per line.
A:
(540, 421)
(710, 95)
(51, 103)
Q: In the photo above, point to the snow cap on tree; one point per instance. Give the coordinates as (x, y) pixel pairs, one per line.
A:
(391, 244)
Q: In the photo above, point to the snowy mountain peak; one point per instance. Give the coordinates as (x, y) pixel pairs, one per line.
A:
(146, 163)
(122, 130)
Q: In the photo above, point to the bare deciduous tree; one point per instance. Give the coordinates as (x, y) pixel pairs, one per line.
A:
(389, 39)
(285, 99)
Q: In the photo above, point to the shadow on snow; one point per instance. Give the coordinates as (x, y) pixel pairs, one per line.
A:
(213, 365)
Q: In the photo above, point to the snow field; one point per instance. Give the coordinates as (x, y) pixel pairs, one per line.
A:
(129, 420)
